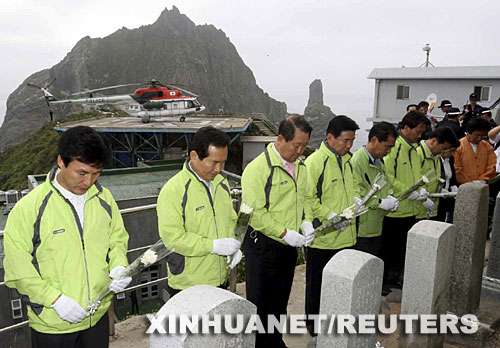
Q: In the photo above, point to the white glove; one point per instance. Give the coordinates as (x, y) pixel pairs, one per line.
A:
(429, 206)
(235, 259)
(308, 232)
(423, 194)
(443, 190)
(414, 196)
(389, 203)
(69, 310)
(454, 188)
(479, 181)
(332, 215)
(119, 283)
(225, 246)
(294, 238)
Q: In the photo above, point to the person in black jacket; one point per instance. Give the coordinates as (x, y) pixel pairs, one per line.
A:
(451, 121)
(447, 205)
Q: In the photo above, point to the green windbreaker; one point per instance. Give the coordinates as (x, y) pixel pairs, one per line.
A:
(426, 162)
(332, 185)
(402, 171)
(189, 219)
(48, 253)
(364, 170)
(279, 201)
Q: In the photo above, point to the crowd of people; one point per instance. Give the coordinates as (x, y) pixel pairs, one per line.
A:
(66, 239)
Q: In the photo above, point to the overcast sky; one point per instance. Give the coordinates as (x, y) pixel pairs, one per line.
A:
(287, 44)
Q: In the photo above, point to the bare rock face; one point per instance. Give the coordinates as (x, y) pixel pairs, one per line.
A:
(317, 113)
(172, 50)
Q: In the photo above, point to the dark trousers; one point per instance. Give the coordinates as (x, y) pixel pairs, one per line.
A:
(270, 266)
(446, 207)
(94, 337)
(316, 261)
(393, 250)
(370, 245)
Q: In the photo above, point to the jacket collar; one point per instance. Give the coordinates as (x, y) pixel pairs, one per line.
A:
(274, 161)
(425, 150)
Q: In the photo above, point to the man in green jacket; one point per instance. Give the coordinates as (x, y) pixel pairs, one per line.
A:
(63, 242)
(402, 171)
(330, 178)
(275, 185)
(196, 216)
(440, 140)
(367, 163)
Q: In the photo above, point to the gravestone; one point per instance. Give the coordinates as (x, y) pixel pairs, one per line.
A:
(204, 300)
(491, 285)
(429, 258)
(471, 219)
(352, 284)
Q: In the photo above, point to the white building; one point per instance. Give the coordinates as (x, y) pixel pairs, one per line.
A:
(395, 88)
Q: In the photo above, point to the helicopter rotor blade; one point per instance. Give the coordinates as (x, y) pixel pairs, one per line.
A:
(105, 88)
(50, 83)
(33, 85)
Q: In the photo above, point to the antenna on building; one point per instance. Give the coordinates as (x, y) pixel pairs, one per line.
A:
(427, 50)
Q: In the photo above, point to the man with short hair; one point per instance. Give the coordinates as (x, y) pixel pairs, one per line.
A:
(196, 216)
(331, 180)
(475, 159)
(367, 163)
(275, 185)
(441, 140)
(411, 107)
(402, 172)
(451, 121)
(63, 243)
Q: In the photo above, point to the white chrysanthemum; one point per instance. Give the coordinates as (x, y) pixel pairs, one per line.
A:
(376, 186)
(425, 179)
(347, 213)
(149, 257)
(246, 209)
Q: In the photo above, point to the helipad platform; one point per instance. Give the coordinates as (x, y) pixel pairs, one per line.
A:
(160, 124)
(131, 140)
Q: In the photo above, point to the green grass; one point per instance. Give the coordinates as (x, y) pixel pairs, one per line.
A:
(34, 155)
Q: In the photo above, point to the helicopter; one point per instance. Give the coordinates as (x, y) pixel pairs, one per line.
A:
(156, 100)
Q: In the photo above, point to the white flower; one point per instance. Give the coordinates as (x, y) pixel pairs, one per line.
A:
(425, 179)
(376, 186)
(245, 209)
(149, 257)
(347, 213)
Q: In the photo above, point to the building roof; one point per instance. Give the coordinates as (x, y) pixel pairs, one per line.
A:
(451, 72)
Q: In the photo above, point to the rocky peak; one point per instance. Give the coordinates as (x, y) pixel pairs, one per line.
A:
(315, 106)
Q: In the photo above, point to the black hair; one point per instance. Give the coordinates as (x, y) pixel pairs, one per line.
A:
(83, 144)
(445, 135)
(289, 124)
(339, 124)
(205, 137)
(412, 119)
(382, 130)
(422, 103)
(410, 105)
(478, 124)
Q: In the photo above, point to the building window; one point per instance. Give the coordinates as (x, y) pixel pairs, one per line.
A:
(483, 92)
(148, 275)
(403, 92)
(17, 311)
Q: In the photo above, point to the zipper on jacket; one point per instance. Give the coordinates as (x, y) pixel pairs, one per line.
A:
(80, 229)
